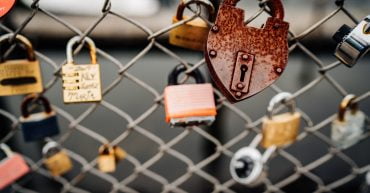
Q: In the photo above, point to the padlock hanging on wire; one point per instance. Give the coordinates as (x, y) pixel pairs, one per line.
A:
(56, 160)
(109, 156)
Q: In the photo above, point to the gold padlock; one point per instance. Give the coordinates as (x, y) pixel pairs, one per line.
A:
(106, 159)
(57, 160)
(81, 83)
(193, 34)
(20, 76)
(282, 129)
(119, 153)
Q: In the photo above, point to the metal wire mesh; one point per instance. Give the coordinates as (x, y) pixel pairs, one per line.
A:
(166, 148)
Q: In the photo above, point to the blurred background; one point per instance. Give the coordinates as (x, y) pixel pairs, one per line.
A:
(124, 41)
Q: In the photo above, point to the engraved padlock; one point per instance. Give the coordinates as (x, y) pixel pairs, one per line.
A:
(56, 160)
(12, 167)
(20, 76)
(189, 104)
(282, 129)
(348, 127)
(353, 43)
(106, 159)
(244, 60)
(247, 165)
(192, 34)
(37, 126)
(81, 82)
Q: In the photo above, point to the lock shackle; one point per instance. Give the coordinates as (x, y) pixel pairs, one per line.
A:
(50, 145)
(8, 152)
(279, 98)
(174, 74)
(276, 7)
(184, 3)
(106, 149)
(77, 39)
(23, 40)
(30, 98)
(347, 103)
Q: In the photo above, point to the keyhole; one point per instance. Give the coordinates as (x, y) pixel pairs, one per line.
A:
(243, 69)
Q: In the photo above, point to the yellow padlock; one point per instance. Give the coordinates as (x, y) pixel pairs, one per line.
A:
(193, 34)
(57, 160)
(81, 83)
(21, 76)
(106, 159)
(282, 129)
(119, 153)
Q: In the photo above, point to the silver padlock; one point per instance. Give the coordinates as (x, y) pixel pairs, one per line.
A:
(353, 43)
(348, 128)
(247, 166)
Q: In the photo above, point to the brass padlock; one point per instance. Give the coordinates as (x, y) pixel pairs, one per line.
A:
(348, 128)
(192, 34)
(81, 83)
(21, 76)
(119, 153)
(106, 159)
(282, 129)
(57, 160)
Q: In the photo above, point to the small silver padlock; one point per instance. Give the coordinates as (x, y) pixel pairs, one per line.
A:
(348, 128)
(247, 166)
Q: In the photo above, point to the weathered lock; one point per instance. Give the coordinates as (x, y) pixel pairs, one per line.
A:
(245, 60)
(189, 104)
(247, 166)
(192, 34)
(12, 167)
(106, 159)
(81, 83)
(348, 128)
(282, 129)
(21, 76)
(57, 160)
(354, 43)
(119, 153)
(37, 126)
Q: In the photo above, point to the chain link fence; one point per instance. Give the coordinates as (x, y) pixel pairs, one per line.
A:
(191, 169)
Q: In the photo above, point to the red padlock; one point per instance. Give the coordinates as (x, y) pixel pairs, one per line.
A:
(11, 168)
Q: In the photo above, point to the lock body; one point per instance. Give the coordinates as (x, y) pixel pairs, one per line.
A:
(59, 163)
(106, 163)
(81, 83)
(280, 130)
(119, 153)
(12, 168)
(189, 104)
(191, 35)
(37, 126)
(20, 77)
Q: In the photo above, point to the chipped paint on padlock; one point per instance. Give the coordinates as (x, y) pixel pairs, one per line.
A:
(268, 46)
(56, 160)
(21, 76)
(106, 159)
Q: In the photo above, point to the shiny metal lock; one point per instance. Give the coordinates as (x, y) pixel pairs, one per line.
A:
(353, 43)
(192, 34)
(106, 159)
(247, 166)
(119, 153)
(12, 167)
(37, 126)
(348, 128)
(244, 60)
(21, 76)
(189, 104)
(57, 160)
(282, 129)
(81, 82)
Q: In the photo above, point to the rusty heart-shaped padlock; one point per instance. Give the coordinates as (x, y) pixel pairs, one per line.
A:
(244, 60)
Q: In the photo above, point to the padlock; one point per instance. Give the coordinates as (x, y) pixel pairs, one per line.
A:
(21, 76)
(119, 153)
(244, 60)
(247, 165)
(6, 6)
(12, 167)
(81, 83)
(192, 34)
(189, 104)
(57, 160)
(106, 159)
(282, 129)
(353, 43)
(37, 126)
(348, 128)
